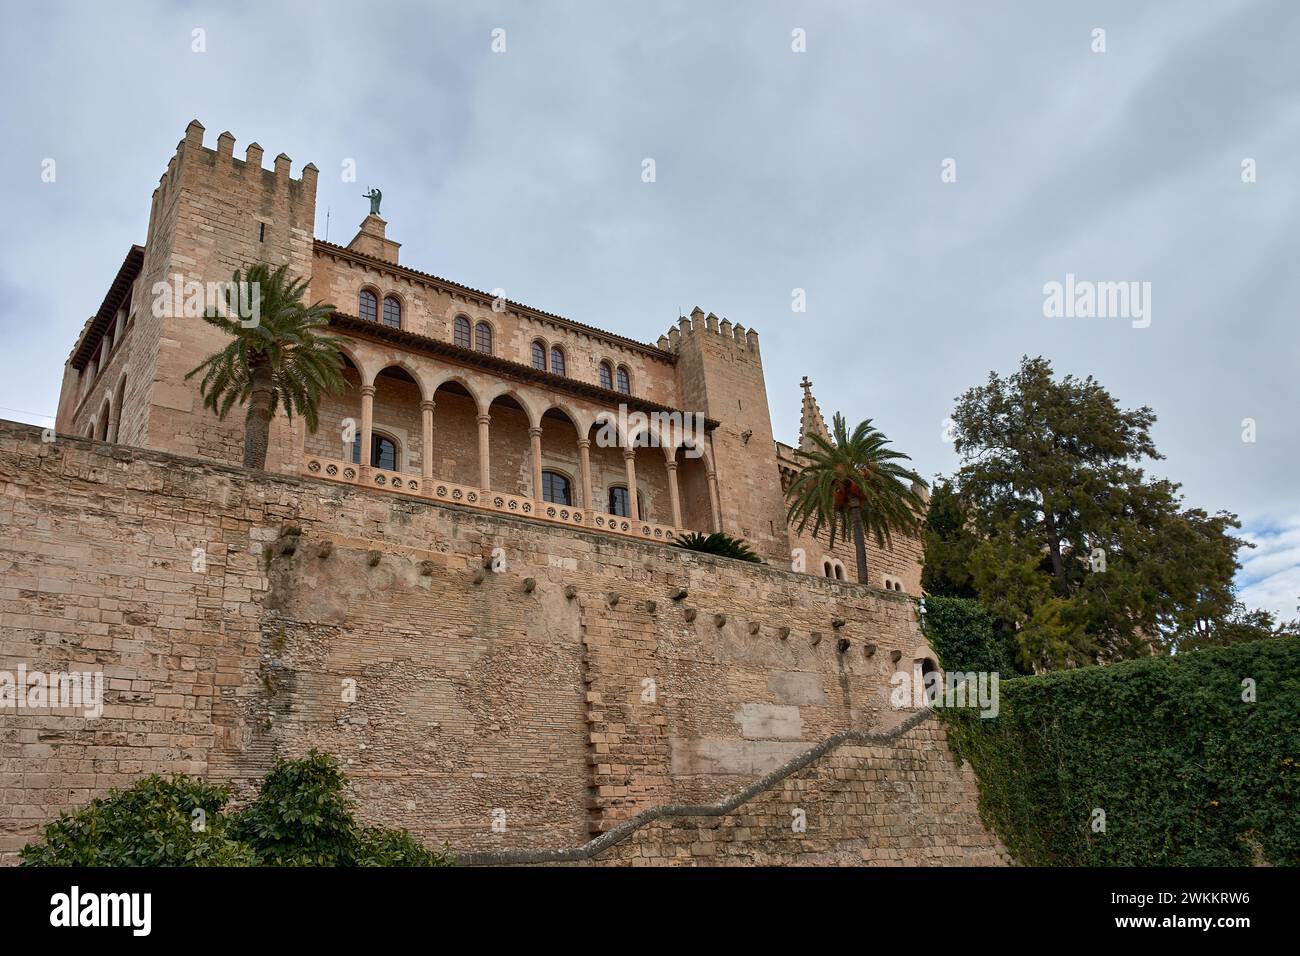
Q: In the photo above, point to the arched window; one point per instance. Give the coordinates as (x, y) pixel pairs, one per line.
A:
(618, 503)
(827, 570)
(839, 571)
(368, 306)
(606, 376)
(539, 356)
(460, 333)
(933, 686)
(624, 381)
(392, 312)
(483, 338)
(556, 488)
(557, 360)
(383, 451)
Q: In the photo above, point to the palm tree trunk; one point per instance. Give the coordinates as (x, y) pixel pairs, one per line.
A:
(257, 423)
(859, 541)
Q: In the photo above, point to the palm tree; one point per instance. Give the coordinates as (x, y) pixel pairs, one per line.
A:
(855, 480)
(277, 358)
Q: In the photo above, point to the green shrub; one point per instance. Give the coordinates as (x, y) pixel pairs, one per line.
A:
(378, 846)
(154, 823)
(965, 637)
(301, 817)
(1186, 771)
(723, 545)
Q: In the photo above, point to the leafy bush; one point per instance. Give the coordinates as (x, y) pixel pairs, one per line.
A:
(152, 824)
(379, 846)
(1186, 772)
(301, 817)
(965, 637)
(723, 545)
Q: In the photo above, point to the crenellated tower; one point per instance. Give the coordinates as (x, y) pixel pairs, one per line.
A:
(212, 214)
(720, 373)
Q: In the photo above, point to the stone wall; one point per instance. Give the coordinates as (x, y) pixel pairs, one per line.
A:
(530, 704)
(890, 801)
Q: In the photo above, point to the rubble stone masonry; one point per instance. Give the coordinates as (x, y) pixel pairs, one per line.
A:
(495, 683)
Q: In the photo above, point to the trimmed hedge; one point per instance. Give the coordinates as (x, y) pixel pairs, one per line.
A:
(1186, 772)
(962, 634)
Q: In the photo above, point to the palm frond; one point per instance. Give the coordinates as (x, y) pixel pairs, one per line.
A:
(304, 364)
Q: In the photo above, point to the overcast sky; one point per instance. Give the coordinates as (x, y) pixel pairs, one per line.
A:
(775, 170)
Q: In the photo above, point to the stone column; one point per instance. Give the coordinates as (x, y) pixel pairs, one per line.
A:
(426, 452)
(673, 499)
(484, 470)
(585, 500)
(715, 503)
(629, 458)
(114, 416)
(535, 440)
(367, 422)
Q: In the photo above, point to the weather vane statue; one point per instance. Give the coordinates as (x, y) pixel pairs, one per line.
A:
(374, 196)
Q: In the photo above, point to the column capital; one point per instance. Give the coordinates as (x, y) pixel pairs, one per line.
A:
(427, 405)
(584, 442)
(629, 453)
(670, 465)
(368, 390)
(534, 432)
(483, 419)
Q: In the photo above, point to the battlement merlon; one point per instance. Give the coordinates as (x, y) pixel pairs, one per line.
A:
(191, 149)
(700, 324)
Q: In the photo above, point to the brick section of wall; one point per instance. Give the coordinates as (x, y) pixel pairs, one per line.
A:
(627, 729)
(480, 696)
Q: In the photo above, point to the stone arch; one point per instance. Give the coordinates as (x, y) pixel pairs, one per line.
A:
(354, 355)
(579, 418)
(455, 316)
(407, 366)
(474, 322)
(535, 340)
(694, 494)
(396, 411)
(463, 380)
(512, 466)
(105, 415)
(368, 286)
(925, 662)
(526, 399)
(119, 402)
(569, 475)
(402, 314)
